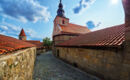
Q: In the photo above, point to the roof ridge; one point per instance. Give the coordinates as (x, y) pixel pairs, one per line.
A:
(32, 40)
(105, 28)
(78, 25)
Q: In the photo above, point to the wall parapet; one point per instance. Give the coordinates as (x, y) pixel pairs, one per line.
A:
(18, 65)
(97, 62)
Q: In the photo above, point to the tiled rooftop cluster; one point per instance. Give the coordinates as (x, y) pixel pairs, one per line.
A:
(9, 44)
(37, 43)
(113, 36)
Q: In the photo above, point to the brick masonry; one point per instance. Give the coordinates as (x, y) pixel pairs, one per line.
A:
(62, 38)
(18, 65)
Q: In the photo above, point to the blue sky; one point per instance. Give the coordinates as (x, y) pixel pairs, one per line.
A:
(36, 16)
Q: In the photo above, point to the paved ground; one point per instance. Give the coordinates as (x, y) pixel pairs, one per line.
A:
(48, 67)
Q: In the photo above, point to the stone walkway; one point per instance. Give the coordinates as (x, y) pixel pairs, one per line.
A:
(48, 67)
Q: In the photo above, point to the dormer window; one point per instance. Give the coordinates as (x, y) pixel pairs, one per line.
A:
(63, 22)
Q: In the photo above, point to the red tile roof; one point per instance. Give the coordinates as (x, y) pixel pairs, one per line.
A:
(71, 29)
(9, 44)
(113, 36)
(22, 33)
(37, 43)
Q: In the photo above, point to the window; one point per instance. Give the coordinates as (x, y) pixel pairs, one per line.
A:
(63, 22)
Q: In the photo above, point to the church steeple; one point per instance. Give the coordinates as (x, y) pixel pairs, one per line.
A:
(60, 17)
(60, 11)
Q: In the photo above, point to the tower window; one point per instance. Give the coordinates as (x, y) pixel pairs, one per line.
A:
(63, 22)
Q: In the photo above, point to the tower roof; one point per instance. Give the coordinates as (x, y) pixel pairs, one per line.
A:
(60, 11)
(22, 33)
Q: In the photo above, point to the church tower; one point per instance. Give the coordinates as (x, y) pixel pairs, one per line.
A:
(63, 30)
(22, 35)
(60, 18)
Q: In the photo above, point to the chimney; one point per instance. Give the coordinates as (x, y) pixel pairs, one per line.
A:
(126, 5)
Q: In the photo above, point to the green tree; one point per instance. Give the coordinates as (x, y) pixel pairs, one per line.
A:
(47, 42)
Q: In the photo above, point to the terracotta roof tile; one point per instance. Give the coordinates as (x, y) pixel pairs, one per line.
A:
(37, 43)
(70, 29)
(22, 33)
(9, 44)
(73, 28)
(113, 36)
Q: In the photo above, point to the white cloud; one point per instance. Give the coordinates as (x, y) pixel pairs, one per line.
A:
(4, 27)
(13, 30)
(91, 25)
(3, 33)
(24, 10)
(100, 27)
(82, 6)
(114, 1)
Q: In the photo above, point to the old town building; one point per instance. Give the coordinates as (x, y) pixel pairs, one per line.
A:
(104, 53)
(63, 29)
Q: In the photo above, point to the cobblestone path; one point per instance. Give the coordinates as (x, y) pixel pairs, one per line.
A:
(48, 67)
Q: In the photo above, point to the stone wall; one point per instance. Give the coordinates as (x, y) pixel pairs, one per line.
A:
(18, 65)
(40, 51)
(62, 38)
(108, 64)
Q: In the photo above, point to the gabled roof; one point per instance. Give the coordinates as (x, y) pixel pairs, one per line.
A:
(71, 29)
(113, 36)
(37, 43)
(22, 33)
(9, 44)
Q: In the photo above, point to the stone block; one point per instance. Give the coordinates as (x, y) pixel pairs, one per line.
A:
(18, 65)
(105, 62)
